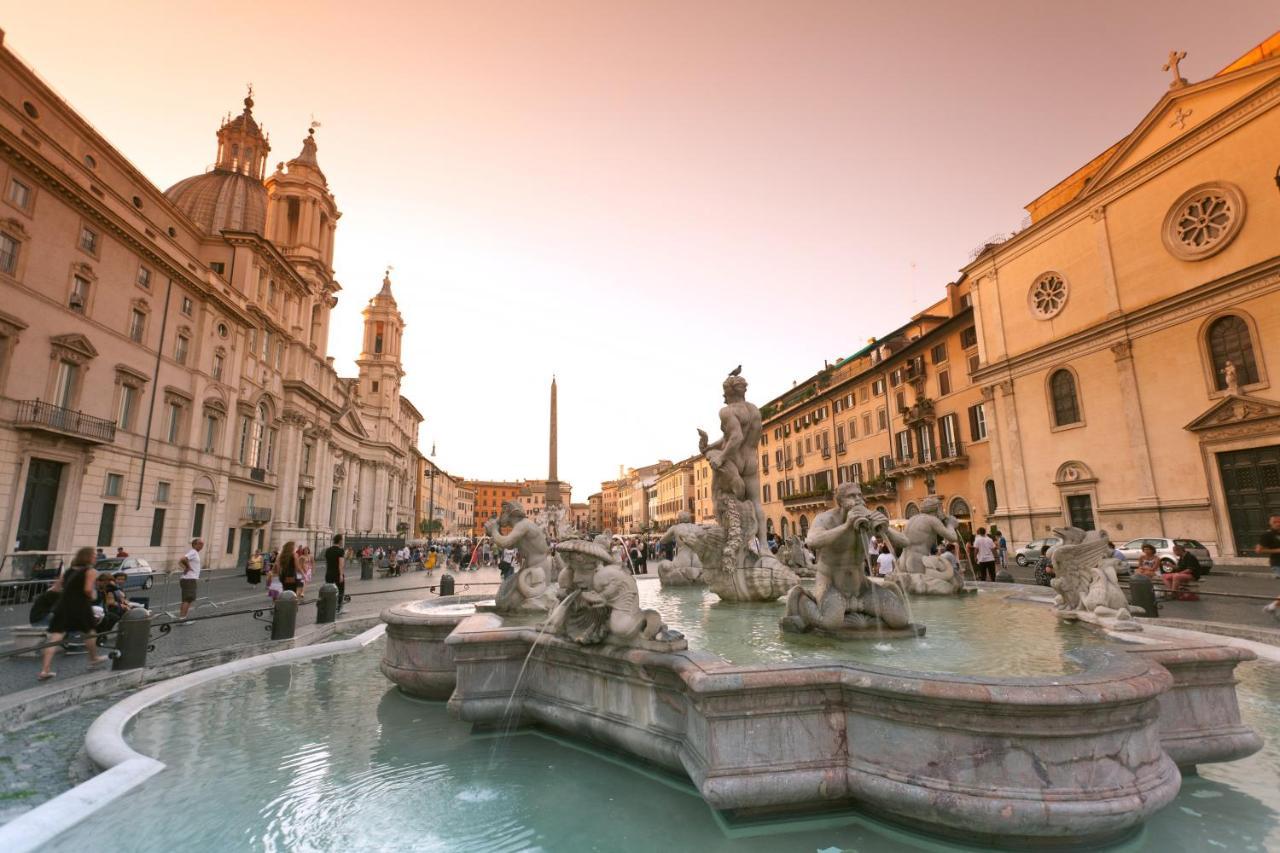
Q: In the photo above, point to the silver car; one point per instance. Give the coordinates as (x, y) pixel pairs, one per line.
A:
(139, 571)
(1132, 550)
(1029, 553)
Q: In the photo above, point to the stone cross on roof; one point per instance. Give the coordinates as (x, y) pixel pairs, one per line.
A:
(1175, 56)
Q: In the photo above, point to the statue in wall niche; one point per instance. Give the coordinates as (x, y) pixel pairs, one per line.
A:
(600, 599)
(532, 587)
(741, 569)
(1085, 579)
(919, 571)
(844, 600)
(684, 569)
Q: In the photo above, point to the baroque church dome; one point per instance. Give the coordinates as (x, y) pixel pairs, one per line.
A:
(231, 196)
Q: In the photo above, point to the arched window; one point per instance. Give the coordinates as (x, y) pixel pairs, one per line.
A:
(1066, 405)
(768, 526)
(990, 488)
(804, 527)
(960, 507)
(786, 528)
(911, 510)
(1229, 340)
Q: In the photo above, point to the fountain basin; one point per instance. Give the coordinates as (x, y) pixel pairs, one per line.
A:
(1072, 759)
(415, 656)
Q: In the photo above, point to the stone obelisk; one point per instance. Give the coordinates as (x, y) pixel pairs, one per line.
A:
(553, 497)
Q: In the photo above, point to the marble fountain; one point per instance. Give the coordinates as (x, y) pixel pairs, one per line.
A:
(799, 713)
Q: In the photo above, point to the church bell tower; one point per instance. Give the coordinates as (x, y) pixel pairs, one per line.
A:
(379, 362)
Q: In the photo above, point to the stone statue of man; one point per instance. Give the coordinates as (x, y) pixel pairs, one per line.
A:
(735, 472)
(925, 530)
(843, 596)
(684, 568)
(530, 588)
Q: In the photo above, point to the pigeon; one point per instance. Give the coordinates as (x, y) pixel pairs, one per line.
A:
(736, 371)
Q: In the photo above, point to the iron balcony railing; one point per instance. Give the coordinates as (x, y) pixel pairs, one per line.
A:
(41, 414)
(260, 514)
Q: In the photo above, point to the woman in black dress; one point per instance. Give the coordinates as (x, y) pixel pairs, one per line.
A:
(74, 610)
(287, 570)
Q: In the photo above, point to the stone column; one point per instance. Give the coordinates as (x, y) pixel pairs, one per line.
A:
(1007, 413)
(1110, 292)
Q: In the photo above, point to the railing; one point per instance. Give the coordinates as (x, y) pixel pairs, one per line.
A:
(38, 413)
(951, 451)
(807, 497)
(260, 514)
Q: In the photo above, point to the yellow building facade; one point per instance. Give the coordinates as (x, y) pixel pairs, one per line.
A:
(1126, 336)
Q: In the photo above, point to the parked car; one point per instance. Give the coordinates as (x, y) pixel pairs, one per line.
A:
(141, 575)
(1030, 552)
(1132, 550)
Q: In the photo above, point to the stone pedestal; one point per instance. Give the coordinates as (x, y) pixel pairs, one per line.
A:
(415, 656)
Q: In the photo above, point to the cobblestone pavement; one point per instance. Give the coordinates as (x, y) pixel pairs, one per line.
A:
(225, 592)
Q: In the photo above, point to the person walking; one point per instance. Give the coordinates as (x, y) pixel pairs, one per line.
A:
(335, 565)
(984, 551)
(1269, 545)
(1044, 567)
(74, 611)
(286, 568)
(189, 581)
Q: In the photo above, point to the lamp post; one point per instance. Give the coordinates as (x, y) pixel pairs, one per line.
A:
(431, 504)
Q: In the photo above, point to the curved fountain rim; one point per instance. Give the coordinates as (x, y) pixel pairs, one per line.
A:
(122, 767)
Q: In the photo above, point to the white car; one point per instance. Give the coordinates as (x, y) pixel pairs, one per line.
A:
(1132, 550)
(141, 575)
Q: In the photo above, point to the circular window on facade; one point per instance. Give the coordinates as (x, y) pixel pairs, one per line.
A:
(1047, 296)
(1203, 221)
(222, 330)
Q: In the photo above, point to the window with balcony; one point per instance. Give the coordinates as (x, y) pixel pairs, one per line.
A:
(902, 443)
(66, 384)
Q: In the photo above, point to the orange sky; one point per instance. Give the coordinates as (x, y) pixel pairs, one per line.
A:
(635, 195)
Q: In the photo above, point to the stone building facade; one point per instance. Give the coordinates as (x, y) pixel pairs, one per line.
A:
(901, 416)
(164, 367)
(675, 494)
(1127, 335)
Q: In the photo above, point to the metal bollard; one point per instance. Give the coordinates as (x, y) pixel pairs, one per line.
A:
(366, 569)
(1142, 593)
(133, 635)
(327, 604)
(446, 584)
(285, 616)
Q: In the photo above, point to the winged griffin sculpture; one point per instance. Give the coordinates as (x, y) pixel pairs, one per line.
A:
(1085, 579)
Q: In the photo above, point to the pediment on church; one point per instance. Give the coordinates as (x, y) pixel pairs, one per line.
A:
(1183, 111)
(75, 346)
(349, 421)
(1234, 410)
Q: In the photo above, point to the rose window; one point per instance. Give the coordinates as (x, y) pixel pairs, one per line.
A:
(1203, 221)
(1048, 296)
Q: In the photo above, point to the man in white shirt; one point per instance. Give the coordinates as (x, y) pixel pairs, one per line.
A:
(190, 564)
(885, 562)
(984, 552)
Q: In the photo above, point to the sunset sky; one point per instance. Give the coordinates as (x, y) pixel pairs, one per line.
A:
(636, 196)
